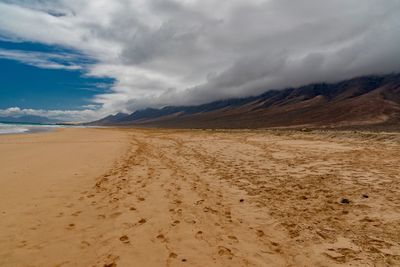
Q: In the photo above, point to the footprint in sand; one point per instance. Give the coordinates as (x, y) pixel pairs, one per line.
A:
(208, 209)
(111, 261)
(225, 252)
(162, 238)
(198, 202)
(199, 235)
(173, 255)
(71, 226)
(142, 221)
(190, 221)
(275, 244)
(176, 222)
(260, 233)
(76, 213)
(124, 239)
(228, 215)
(233, 238)
(112, 264)
(85, 244)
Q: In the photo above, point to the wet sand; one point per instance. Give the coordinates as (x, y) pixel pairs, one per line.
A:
(104, 197)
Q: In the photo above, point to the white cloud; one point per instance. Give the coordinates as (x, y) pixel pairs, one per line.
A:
(88, 114)
(42, 60)
(189, 51)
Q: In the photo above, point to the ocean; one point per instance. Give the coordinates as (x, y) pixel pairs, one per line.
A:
(15, 128)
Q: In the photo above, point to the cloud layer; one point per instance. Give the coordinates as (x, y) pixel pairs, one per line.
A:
(63, 115)
(170, 52)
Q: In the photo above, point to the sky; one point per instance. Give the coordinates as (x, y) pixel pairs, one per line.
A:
(79, 60)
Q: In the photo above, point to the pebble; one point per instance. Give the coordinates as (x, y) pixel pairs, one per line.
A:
(345, 201)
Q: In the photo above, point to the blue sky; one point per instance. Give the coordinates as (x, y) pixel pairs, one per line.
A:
(81, 60)
(28, 86)
(44, 77)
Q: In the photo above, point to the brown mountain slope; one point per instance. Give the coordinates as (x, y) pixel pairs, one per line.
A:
(370, 100)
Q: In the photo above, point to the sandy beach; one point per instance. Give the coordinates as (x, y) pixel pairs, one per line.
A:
(125, 197)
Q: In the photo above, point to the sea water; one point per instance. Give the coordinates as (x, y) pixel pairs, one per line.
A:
(14, 128)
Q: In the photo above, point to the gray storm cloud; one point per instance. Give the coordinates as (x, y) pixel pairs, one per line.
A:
(190, 52)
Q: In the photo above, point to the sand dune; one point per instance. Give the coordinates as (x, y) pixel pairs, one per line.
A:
(87, 197)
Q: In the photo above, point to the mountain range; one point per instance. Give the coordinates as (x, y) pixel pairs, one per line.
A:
(362, 101)
(28, 119)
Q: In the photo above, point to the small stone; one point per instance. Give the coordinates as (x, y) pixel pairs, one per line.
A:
(345, 201)
(241, 200)
(365, 196)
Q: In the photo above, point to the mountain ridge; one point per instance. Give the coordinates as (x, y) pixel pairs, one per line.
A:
(27, 119)
(366, 100)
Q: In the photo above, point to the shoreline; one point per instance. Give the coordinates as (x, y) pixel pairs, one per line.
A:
(22, 128)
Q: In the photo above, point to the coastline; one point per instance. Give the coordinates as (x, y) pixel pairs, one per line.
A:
(25, 128)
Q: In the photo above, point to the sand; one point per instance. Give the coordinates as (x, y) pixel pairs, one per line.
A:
(108, 197)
